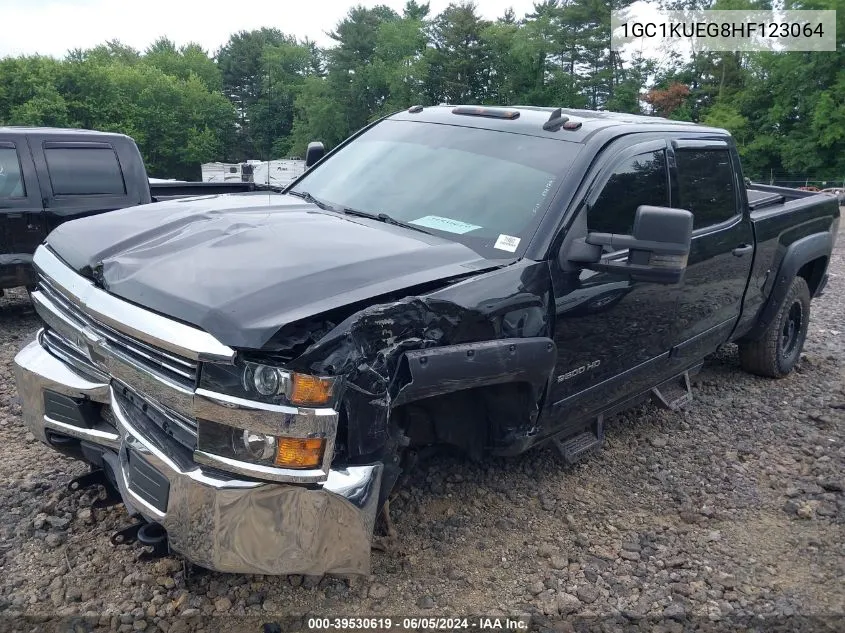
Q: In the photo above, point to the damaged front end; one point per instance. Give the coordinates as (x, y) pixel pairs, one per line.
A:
(277, 460)
(122, 388)
(465, 364)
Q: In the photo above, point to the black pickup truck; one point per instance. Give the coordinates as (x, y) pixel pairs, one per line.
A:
(249, 372)
(51, 175)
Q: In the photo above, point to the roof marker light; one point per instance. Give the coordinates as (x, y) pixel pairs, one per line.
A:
(493, 113)
(415, 109)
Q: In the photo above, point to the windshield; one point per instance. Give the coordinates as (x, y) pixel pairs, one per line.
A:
(483, 188)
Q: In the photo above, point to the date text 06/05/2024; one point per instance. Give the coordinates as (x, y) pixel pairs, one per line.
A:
(432, 623)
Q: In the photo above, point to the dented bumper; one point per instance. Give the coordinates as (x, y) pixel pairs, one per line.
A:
(214, 520)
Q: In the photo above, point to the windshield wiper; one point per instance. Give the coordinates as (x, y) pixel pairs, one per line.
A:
(261, 186)
(383, 217)
(309, 198)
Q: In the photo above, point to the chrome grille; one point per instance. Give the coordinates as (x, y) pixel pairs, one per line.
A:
(178, 427)
(171, 367)
(60, 347)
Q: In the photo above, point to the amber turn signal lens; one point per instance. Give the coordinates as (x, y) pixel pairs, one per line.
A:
(300, 453)
(310, 390)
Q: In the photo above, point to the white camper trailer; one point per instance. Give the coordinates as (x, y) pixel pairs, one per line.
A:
(222, 172)
(278, 173)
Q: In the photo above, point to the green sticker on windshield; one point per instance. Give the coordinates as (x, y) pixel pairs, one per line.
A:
(445, 224)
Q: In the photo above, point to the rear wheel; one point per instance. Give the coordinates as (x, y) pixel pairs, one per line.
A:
(778, 351)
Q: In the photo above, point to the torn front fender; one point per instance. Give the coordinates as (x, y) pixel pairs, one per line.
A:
(490, 312)
(455, 367)
(367, 348)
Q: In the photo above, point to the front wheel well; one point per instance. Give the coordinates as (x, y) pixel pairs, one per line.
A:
(812, 272)
(475, 420)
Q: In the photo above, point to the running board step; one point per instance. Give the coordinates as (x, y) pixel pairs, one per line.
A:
(674, 394)
(577, 447)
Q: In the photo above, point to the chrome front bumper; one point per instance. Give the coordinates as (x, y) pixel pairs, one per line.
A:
(225, 524)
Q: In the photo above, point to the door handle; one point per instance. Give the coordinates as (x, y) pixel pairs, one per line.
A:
(742, 249)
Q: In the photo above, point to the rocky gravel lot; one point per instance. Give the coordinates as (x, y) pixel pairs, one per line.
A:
(729, 513)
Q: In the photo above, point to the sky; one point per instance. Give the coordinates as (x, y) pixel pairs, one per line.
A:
(52, 27)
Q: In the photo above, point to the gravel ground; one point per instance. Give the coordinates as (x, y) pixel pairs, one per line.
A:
(731, 510)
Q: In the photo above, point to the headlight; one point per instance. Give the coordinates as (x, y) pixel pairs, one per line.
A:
(258, 448)
(266, 380)
(266, 383)
(260, 434)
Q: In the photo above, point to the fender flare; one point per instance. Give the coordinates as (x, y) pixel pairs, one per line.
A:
(440, 370)
(797, 254)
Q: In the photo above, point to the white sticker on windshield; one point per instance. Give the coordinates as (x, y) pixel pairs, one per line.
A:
(507, 243)
(445, 224)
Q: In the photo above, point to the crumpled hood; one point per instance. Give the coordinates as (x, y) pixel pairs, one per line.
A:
(241, 266)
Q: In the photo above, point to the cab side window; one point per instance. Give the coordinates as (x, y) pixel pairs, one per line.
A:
(11, 179)
(77, 171)
(640, 179)
(706, 185)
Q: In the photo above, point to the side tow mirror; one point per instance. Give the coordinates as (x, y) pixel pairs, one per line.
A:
(657, 251)
(316, 150)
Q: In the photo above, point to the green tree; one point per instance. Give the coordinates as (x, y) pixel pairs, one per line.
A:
(176, 119)
(244, 68)
(319, 117)
(45, 107)
(358, 75)
(459, 56)
(398, 63)
(266, 94)
(26, 79)
(183, 61)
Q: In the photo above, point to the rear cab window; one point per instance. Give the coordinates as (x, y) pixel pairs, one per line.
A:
(11, 175)
(706, 185)
(84, 169)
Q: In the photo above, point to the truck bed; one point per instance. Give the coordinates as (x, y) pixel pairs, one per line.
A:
(775, 210)
(760, 195)
(781, 217)
(161, 191)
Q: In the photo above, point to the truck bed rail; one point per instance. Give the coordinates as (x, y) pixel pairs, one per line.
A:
(161, 191)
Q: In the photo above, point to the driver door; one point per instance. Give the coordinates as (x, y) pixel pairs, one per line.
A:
(612, 334)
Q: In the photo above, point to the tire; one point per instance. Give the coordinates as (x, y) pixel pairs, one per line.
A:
(777, 352)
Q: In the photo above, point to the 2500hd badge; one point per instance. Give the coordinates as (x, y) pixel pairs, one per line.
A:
(578, 370)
